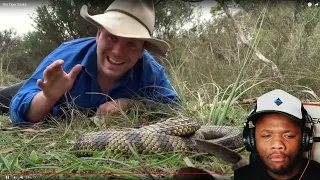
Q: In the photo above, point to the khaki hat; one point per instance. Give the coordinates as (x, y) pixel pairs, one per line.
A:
(130, 19)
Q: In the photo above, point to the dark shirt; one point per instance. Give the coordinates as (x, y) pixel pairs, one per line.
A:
(258, 171)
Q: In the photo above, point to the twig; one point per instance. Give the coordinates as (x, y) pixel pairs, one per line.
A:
(247, 43)
(188, 162)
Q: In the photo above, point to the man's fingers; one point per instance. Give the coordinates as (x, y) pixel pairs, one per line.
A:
(41, 84)
(101, 112)
(55, 69)
(57, 65)
(75, 71)
(109, 108)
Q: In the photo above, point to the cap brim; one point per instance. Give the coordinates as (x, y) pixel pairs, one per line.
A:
(122, 25)
(256, 116)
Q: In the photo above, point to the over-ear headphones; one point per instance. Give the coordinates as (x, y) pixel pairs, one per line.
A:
(249, 133)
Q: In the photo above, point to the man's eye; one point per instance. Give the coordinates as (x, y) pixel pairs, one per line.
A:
(289, 136)
(132, 45)
(112, 38)
(266, 135)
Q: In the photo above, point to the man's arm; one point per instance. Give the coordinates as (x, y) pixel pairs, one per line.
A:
(72, 53)
(56, 82)
(21, 102)
(40, 107)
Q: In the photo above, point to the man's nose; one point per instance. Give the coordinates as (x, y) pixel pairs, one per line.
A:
(118, 49)
(277, 143)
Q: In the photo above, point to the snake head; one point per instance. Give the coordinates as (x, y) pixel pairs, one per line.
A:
(224, 154)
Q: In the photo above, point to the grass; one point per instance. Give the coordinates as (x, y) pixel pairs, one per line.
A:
(45, 148)
(206, 68)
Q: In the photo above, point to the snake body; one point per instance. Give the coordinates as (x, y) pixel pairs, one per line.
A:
(172, 135)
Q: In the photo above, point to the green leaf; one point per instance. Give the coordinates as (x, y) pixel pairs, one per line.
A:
(33, 157)
(15, 162)
(5, 162)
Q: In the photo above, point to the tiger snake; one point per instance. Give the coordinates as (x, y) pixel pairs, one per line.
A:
(172, 135)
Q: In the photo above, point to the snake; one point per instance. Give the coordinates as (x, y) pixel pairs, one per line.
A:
(172, 135)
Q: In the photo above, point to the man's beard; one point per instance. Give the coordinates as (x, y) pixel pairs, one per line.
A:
(287, 169)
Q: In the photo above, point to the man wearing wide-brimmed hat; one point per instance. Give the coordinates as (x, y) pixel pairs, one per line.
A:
(101, 74)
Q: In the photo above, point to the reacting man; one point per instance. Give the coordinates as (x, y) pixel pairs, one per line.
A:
(101, 74)
(278, 139)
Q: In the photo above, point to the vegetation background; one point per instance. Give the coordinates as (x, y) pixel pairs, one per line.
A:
(204, 66)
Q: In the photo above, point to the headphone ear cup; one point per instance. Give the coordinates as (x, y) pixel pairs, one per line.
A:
(249, 139)
(306, 137)
(248, 133)
(252, 138)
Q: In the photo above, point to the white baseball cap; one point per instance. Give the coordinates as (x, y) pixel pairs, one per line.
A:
(278, 101)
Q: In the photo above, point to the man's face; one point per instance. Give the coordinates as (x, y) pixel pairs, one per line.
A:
(116, 55)
(278, 141)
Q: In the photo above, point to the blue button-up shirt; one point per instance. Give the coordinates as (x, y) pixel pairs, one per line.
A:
(147, 80)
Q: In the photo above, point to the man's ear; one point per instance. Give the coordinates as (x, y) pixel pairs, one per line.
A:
(142, 50)
(98, 33)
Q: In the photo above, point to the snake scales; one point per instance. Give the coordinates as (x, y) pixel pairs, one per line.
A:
(171, 135)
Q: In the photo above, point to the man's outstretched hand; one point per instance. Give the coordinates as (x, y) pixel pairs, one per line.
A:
(56, 81)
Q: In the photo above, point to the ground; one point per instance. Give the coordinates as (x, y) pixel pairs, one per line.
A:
(45, 148)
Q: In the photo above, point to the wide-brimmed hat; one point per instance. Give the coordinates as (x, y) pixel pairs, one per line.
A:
(130, 19)
(279, 101)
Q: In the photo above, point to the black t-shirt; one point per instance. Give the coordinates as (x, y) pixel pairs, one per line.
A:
(257, 171)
